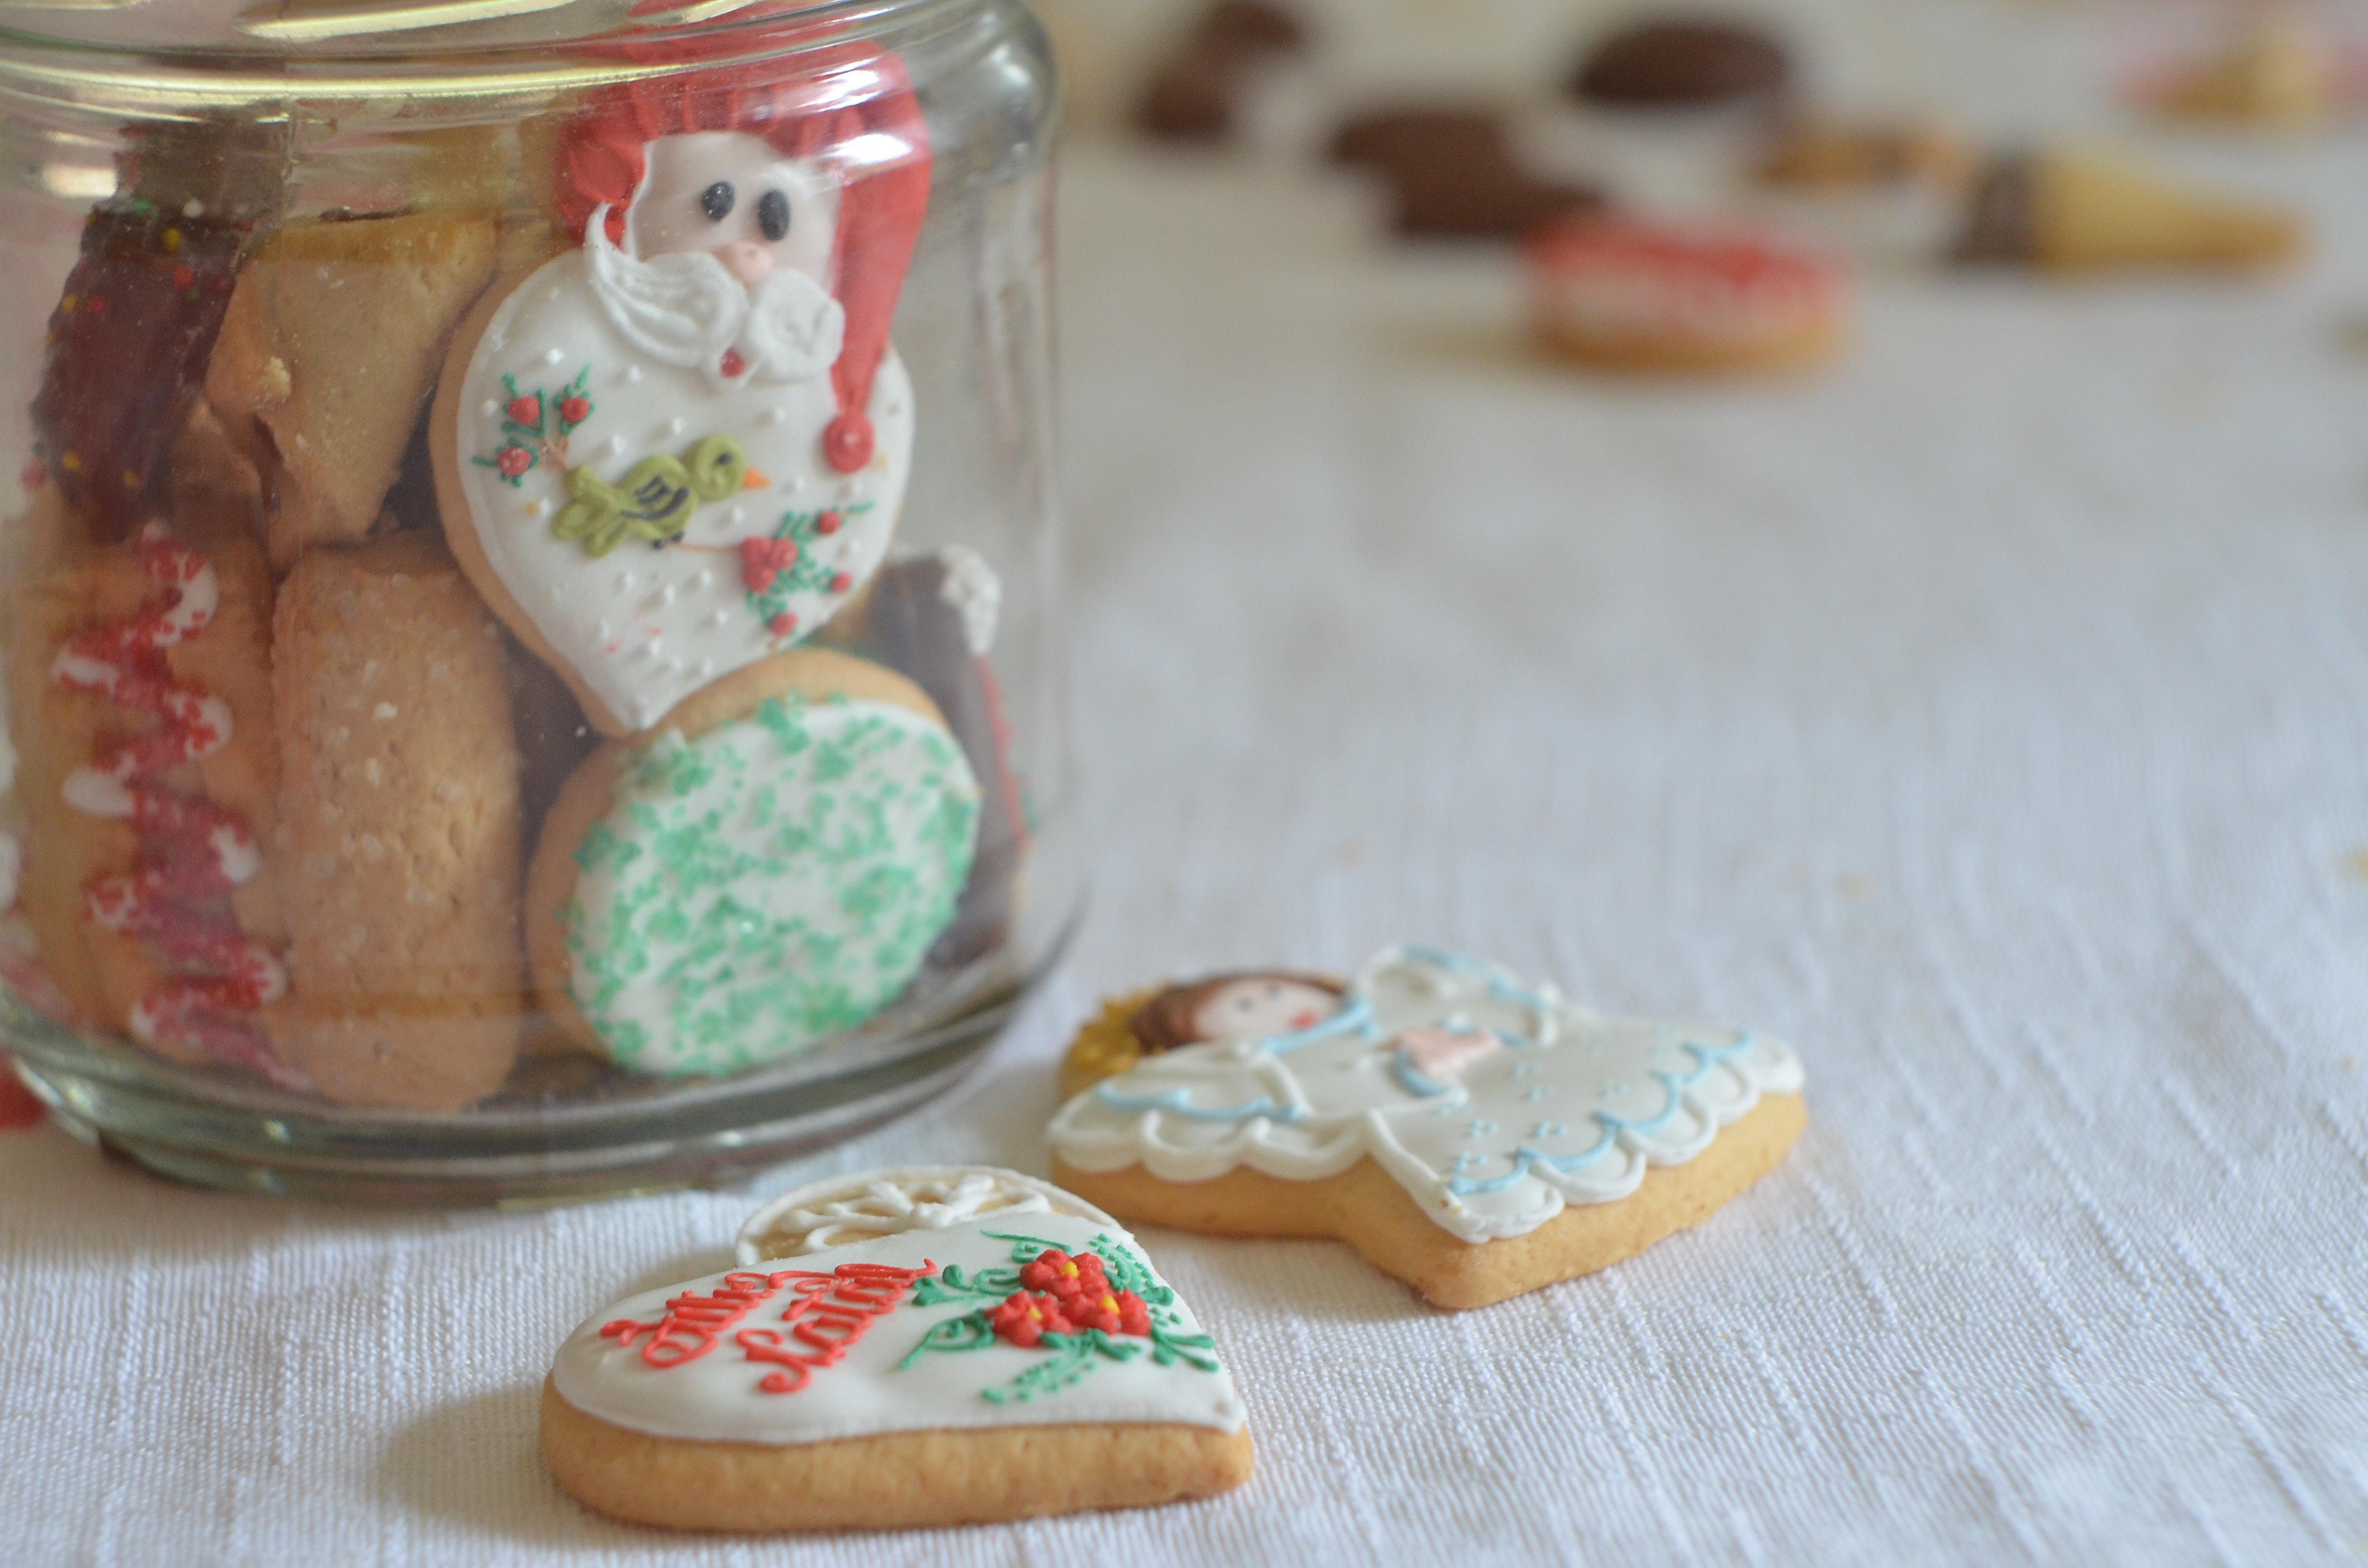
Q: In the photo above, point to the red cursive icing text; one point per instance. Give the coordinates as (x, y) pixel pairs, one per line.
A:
(827, 1313)
(832, 1311)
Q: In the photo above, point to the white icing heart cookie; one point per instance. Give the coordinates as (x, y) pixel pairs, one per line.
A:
(681, 446)
(1015, 1364)
(1473, 1136)
(770, 867)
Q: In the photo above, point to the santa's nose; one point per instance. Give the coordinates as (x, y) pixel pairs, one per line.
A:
(746, 260)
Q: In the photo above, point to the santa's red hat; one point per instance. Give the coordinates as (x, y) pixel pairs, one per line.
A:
(845, 106)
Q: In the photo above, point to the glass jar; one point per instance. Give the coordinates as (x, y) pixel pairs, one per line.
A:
(532, 613)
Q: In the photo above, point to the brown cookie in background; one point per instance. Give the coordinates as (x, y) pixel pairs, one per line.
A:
(1193, 96)
(1451, 173)
(1682, 62)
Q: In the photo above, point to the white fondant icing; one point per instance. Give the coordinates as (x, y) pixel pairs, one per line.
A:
(716, 1398)
(609, 609)
(840, 1209)
(972, 587)
(1572, 1110)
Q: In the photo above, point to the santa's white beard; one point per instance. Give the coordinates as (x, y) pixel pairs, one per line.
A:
(686, 309)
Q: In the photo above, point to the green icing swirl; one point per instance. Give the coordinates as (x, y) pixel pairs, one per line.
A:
(775, 881)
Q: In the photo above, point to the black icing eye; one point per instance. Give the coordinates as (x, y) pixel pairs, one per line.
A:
(716, 201)
(773, 214)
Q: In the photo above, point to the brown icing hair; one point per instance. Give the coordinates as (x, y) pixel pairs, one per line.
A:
(1166, 1021)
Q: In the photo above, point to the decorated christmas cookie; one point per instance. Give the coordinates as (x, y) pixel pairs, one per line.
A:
(681, 445)
(1015, 1365)
(1475, 1137)
(843, 1209)
(769, 867)
(1623, 295)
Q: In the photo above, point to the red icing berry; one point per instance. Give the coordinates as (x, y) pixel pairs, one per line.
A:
(95, 305)
(1024, 1319)
(846, 443)
(183, 278)
(1067, 1275)
(826, 524)
(841, 581)
(524, 411)
(514, 461)
(783, 624)
(734, 365)
(574, 410)
(763, 560)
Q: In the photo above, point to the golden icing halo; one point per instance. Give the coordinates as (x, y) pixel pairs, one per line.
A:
(1106, 1046)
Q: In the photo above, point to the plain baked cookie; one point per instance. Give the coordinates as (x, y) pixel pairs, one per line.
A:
(328, 353)
(1472, 1136)
(401, 853)
(998, 1366)
(771, 867)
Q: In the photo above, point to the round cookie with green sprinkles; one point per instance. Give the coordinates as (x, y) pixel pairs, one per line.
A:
(766, 868)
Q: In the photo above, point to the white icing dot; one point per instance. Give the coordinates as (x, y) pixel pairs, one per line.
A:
(602, 629)
(552, 356)
(706, 578)
(706, 669)
(739, 514)
(677, 426)
(632, 375)
(721, 618)
(385, 711)
(665, 594)
(624, 582)
(615, 446)
(540, 508)
(493, 405)
(777, 415)
(193, 207)
(495, 339)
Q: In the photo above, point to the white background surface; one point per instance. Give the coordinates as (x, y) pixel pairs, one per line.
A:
(1989, 719)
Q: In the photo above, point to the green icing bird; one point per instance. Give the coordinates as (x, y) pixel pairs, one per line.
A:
(655, 498)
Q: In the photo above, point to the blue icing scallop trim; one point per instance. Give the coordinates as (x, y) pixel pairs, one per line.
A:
(1179, 1102)
(1613, 1124)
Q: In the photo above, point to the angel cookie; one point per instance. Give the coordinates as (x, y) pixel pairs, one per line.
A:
(1013, 1363)
(1475, 1137)
(681, 445)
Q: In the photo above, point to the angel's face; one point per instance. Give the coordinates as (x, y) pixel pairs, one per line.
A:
(1257, 1006)
(736, 197)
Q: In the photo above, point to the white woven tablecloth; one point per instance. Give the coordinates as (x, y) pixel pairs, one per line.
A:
(1990, 719)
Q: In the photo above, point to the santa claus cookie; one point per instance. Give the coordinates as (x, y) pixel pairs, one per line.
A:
(679, 446)
(1474, 1137)
(1006, 1366)
(769, 868)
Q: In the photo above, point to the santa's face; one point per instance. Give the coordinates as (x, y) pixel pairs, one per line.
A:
(736, 197)
(1256, 1008)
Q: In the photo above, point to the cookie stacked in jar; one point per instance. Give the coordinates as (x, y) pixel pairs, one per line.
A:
(464, 645)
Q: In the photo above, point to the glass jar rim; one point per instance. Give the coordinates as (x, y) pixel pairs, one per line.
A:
(501, 52)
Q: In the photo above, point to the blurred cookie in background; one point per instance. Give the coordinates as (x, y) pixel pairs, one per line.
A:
(1451, 173)
(2275, 70)
(1885, 189)
(2078, 210)
(1628, 295)
(1198, 93)
(1682, 62)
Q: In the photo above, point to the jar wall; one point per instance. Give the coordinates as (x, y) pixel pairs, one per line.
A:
(533, 616)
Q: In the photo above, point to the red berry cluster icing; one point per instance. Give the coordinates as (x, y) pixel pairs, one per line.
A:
(193, 852)
(1067, 1293)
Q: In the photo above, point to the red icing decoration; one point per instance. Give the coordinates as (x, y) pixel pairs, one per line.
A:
(762, 560)
(840, 96)
(828, 1313)
(192, 852)
(832, 1311)
(827, 523)
(525, 410)
(19, 1108)
(783, 624)
(514, 461)
(574, 410)
(1073, 1293)
(1686, 267)
(734, 367)
(840, 581)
